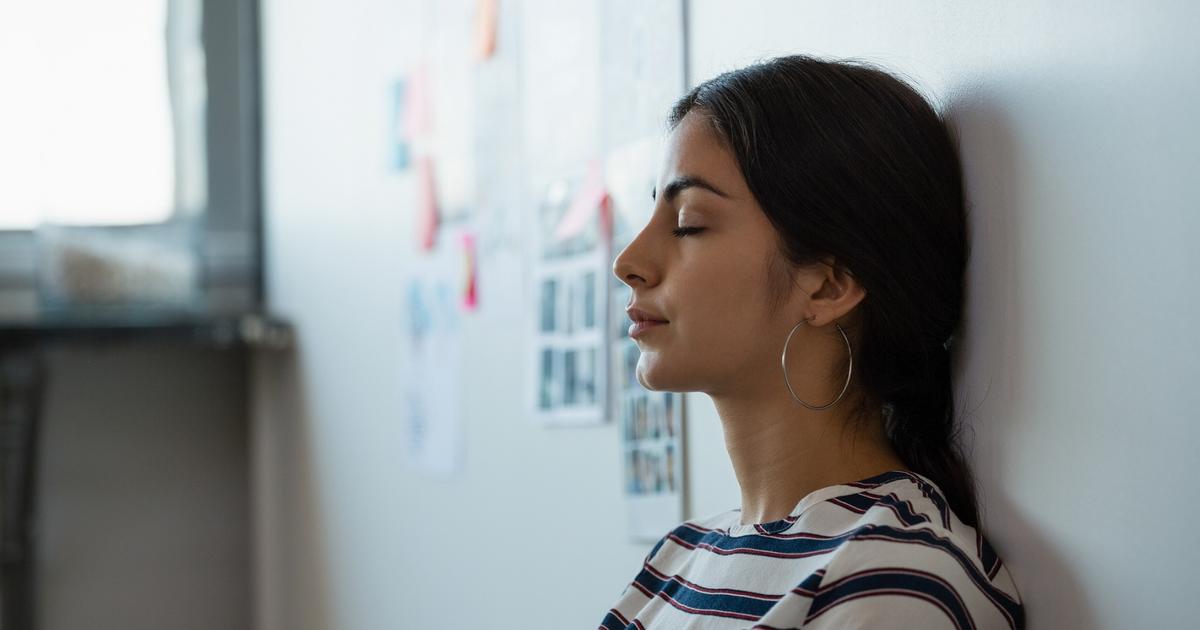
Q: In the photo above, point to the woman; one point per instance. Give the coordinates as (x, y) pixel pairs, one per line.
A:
(804, 264)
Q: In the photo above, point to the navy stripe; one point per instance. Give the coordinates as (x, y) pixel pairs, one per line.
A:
(935, 495)
(894, 581)
(811, 584)
(613, 621)
(799, 545)
(865, 500)
(929, 490)
(692, 598)
(775, 527)
(991, 562)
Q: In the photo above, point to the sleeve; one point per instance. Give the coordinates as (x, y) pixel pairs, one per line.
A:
(870, 592)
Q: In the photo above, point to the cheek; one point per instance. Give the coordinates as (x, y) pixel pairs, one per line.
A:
(717, 333)
(721, 302)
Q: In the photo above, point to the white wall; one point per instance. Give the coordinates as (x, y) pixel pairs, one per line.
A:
(1079, 351)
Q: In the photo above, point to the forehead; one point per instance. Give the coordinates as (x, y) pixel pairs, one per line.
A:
(694, 148)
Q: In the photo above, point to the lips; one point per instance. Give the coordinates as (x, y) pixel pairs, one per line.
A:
(642, 315)
(643, 320)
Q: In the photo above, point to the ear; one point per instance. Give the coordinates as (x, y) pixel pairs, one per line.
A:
(838, 292)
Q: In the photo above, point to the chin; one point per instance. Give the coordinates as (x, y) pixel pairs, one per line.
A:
(641, 379)
(647, 380)
(656, 381)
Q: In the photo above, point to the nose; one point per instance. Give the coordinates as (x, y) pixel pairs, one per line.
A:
(628, 268)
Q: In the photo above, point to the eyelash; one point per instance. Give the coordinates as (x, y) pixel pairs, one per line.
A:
(684, 231)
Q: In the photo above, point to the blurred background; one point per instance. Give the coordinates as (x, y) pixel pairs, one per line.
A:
(307, 317)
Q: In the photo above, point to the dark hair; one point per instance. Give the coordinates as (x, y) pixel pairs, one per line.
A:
(848, 161)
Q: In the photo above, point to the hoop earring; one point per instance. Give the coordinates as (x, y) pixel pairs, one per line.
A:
(849, 370)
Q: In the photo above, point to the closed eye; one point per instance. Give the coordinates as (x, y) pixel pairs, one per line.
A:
(685, 231)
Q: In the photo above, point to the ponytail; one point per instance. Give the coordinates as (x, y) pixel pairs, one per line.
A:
(922, 428)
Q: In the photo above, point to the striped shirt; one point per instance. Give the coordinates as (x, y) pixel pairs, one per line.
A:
(882, 552)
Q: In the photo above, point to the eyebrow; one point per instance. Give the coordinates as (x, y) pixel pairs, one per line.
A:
(682, 183)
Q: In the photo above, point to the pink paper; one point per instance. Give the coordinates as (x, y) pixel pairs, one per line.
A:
(470, 295)
(584, 206)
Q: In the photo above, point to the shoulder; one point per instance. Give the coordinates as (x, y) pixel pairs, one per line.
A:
(696, 532)
(905, 560)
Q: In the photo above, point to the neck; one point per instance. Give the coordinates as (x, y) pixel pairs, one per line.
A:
(781, 451)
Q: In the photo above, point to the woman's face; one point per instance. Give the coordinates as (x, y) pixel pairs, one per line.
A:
(711, 285)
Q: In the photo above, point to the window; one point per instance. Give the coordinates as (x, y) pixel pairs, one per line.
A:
(131, 113)
(103, 115)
